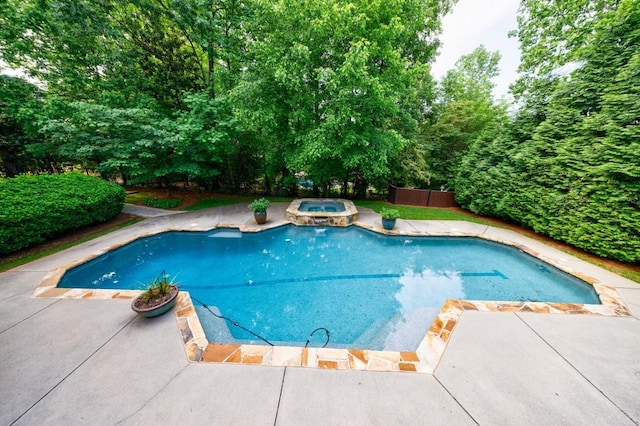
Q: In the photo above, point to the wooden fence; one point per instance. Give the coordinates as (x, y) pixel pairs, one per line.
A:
(421, 197)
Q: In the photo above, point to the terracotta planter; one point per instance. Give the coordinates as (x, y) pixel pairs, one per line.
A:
(260, 217)
(155, 310)
(388, 224)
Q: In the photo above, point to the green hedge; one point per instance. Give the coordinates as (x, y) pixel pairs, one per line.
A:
(582, 204)
(34, 209)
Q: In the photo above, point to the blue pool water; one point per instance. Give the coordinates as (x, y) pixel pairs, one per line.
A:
(322, 206)
(370, 291)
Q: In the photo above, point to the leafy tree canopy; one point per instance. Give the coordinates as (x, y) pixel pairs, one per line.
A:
(335, 88)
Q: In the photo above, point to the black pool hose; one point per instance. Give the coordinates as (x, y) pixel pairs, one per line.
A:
(204, 305)
(312, 333)
(235, 323)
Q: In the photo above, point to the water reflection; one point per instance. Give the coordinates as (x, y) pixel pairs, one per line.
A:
(420, 296)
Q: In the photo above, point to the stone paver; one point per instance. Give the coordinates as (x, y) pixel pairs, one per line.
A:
(94, 362)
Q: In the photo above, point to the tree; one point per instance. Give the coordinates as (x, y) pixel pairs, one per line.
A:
(345, 93)
(210, 145)
(552, 37)
(573, 173)
(18, 102)
(335, 89)
(128, 49)
(131, 143)
(465, 108)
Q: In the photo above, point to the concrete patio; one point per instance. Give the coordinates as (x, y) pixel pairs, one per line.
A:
(69, 361)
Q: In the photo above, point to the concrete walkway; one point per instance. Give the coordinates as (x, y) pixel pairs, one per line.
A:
(144, 211)
(67, 362)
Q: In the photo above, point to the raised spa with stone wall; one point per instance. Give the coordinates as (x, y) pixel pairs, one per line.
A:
(322, 212)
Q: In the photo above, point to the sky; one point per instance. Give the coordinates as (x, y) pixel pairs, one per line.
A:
(476, 22)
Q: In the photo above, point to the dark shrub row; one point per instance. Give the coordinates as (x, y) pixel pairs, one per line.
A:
(36, 208)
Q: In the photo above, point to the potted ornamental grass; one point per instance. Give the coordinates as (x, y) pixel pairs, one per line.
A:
(158, 297)
(389, 216)
(259, 208)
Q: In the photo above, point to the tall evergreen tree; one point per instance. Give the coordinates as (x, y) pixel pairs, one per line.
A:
(575, 175)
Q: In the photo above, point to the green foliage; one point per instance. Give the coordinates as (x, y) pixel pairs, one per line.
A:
(465, 111)
(389, 213)
(259, 205)
(470, 79)
(227, 93)
(341, 99)
(553, 37)
(573, 172)
(158, 288)
(36, 208)
(133, 143)
(162, 203)
(18, 102)
(210, 145)
(111, 50)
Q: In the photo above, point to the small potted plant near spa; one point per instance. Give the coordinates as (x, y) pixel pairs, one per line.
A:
(259, 208)
(389, 217)
(159, 296)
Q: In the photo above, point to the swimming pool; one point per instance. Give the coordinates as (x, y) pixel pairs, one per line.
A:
(322, 206)
(368, 290)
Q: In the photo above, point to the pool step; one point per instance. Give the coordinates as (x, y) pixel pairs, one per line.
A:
(216, 329)
(226, 234)
(377, 332)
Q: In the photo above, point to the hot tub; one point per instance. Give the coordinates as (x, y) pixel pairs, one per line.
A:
(322, 206)
(324, 212)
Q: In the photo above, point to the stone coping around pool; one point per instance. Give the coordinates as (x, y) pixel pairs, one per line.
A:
(424, 360)
(345, 218)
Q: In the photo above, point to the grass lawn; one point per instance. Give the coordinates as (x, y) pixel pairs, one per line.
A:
(206, 203)
(423, 213)
(191, 201)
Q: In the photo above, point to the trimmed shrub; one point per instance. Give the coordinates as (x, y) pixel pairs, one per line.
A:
(34, 209)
